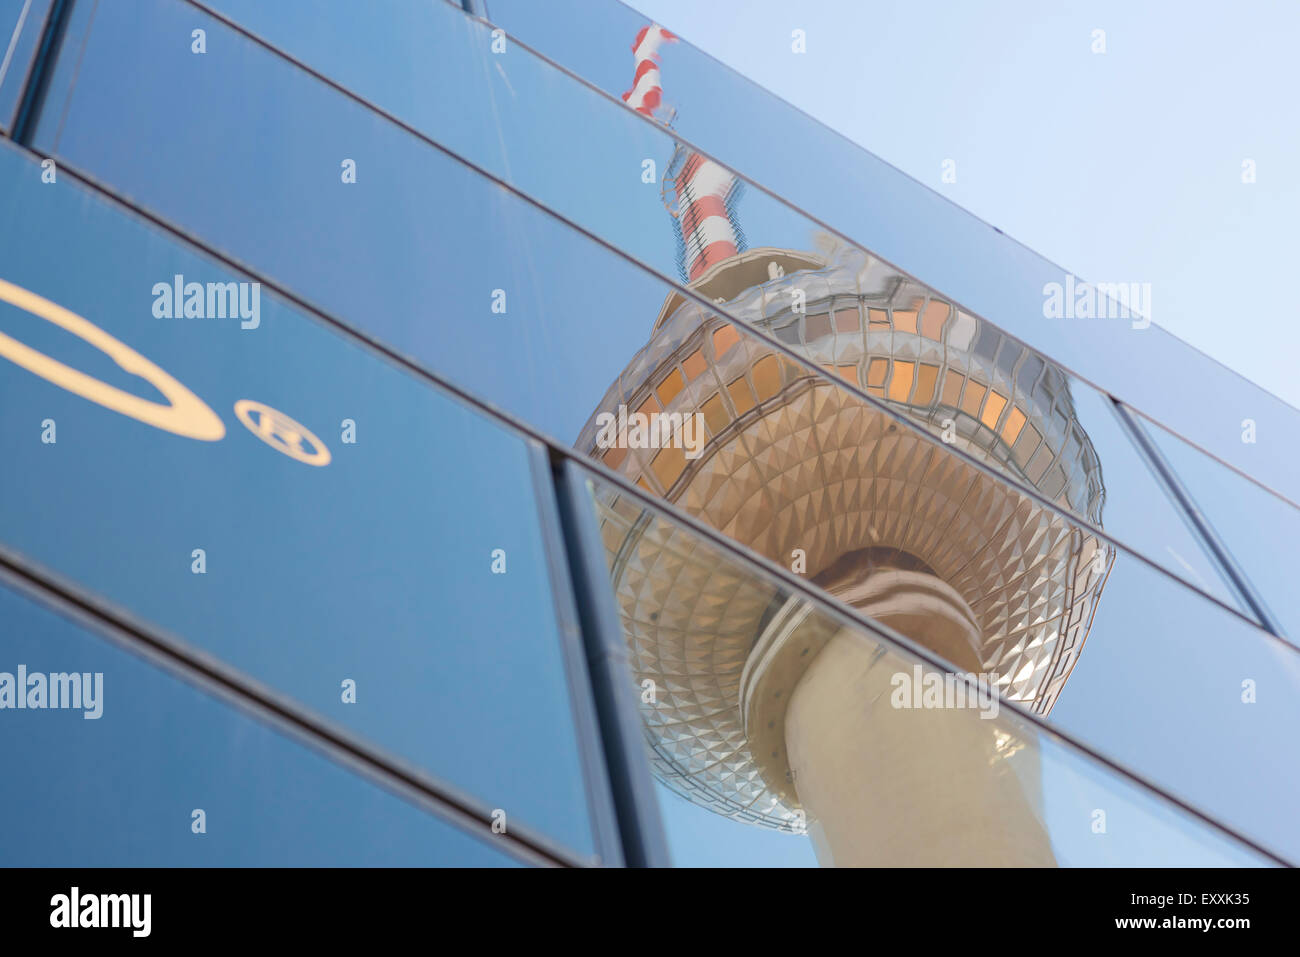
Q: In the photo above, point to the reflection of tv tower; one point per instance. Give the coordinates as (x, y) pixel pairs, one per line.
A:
(704, 194)
(764, 710)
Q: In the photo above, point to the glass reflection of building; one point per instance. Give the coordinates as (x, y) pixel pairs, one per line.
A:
(765, 715)
(384, 534)
(914, 538)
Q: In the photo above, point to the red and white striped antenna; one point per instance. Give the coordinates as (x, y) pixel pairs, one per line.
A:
(646, 92)
(704, 192)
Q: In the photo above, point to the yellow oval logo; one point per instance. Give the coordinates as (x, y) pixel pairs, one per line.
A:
(281, 432)
(185, 414)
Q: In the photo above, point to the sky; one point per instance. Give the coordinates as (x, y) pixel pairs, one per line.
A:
(1125, 165)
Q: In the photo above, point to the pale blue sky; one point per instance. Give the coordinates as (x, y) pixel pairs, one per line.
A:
(1122, 166)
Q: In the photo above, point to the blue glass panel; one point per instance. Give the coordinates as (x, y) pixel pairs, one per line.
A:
(282, 498)
(121, 789)
(1260, 529)
(1222, 692)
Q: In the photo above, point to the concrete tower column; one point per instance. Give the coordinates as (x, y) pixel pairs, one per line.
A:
(883, 785)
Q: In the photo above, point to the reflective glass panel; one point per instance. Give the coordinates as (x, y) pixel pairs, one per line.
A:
(147, 771)
(1260, 529)
(481, 286)
(921, 232)
(782, 734)
(186, 445)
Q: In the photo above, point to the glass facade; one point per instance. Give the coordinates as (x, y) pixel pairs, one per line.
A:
(535, 475)
(123, 790)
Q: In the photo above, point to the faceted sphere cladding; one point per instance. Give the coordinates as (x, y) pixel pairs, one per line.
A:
(792, 461)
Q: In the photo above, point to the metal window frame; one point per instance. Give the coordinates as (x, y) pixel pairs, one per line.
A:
(612, 682)
(32, 97)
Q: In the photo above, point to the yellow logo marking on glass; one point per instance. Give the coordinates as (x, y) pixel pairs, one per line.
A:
(281, 432)
(185, 414)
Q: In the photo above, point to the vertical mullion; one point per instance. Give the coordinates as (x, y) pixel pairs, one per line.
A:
(39, 71)
(613, 686)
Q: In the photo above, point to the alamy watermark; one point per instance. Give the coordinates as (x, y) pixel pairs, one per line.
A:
(1098, 300)
(75, 909)
(179, 299)
(59, 690)
(651, 430)
(935, 691)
